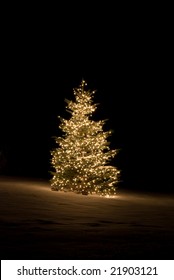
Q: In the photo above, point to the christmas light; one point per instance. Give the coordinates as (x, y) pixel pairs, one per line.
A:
(81, 159)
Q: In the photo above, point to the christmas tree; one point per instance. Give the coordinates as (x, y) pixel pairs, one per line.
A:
(81, 159)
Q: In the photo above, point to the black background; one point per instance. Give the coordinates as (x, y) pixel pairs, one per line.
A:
(125, 56)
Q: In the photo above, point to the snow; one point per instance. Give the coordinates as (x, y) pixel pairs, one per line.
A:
(37, 223)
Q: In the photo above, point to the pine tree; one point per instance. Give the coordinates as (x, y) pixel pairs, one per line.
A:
(81, 159)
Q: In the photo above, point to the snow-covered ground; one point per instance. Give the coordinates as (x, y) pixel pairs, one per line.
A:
(37, 223)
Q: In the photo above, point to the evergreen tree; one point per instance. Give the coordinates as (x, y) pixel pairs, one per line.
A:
(81, 159)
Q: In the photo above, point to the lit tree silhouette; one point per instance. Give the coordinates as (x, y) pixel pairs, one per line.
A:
(81, 159)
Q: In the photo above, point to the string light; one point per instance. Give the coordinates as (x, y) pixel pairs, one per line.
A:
(81, 159)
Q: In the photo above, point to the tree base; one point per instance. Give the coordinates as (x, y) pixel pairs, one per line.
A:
(54, 189)
(84, 193)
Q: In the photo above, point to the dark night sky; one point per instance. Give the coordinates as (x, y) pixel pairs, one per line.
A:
(125, 62)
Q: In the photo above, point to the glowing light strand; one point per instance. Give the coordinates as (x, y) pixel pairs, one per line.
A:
(81, 159)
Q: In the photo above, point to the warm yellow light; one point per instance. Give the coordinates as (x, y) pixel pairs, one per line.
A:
(81, 159)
